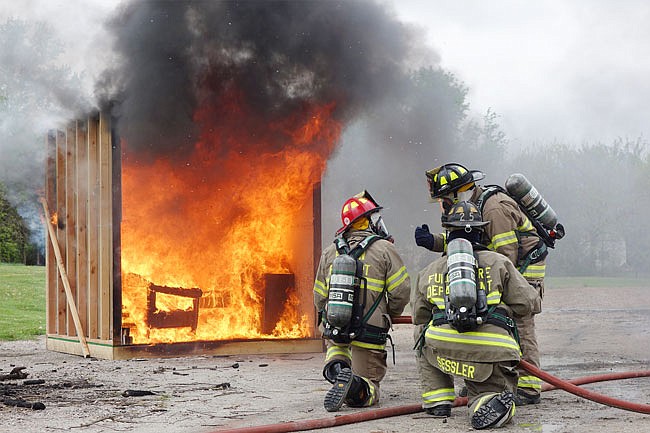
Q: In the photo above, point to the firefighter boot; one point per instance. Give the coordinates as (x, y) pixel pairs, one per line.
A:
(336, 395)
(523, 398)
(359, 393)
(497, 411)
(440, 411)
(333, 368)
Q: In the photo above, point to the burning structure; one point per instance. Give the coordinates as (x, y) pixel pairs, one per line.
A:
(188, 213)
(169, 253)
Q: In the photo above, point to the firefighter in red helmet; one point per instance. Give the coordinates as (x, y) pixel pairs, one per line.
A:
(361, 283)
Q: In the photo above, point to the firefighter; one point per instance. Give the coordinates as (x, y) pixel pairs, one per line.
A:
(510, 233)
(476, 342)
(355, 362)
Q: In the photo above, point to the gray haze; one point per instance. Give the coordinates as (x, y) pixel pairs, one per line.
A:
(554, 72)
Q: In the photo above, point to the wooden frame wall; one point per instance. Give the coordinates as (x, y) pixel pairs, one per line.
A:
(79, 196)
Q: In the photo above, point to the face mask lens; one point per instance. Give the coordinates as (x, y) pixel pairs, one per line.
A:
(378, 224)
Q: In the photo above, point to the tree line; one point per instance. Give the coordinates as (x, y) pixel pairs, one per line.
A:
(16, 245)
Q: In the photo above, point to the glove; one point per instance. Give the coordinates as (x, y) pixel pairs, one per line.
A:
(423, 237)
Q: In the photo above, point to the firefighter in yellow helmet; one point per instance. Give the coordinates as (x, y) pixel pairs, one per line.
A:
(463, 304)
(361, 283)
(511, 233)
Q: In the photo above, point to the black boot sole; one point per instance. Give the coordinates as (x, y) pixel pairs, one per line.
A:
(336, 395)
(493, 411)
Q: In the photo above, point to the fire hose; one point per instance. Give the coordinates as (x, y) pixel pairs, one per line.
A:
(552, 383)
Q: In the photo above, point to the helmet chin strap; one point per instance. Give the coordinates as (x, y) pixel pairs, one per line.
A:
(472, 235)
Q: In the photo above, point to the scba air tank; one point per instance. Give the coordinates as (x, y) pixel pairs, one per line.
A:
(526, 194)
(341, 291)
(461, 266)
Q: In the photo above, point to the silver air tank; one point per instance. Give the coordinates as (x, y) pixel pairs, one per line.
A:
(526, 194)
(462, 276)
(341, 291)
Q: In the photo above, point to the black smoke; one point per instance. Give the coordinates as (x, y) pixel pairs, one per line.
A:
(278, 57)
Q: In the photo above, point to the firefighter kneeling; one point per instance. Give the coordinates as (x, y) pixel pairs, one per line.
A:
(361, 283)
(463, 309)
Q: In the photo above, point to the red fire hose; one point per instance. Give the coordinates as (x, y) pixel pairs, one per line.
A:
(589, 395)
(369, 415)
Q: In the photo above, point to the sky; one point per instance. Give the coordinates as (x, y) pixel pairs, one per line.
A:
(571, 71)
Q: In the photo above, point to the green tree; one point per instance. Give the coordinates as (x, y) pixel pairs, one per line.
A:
(14, 233)
(599, 192)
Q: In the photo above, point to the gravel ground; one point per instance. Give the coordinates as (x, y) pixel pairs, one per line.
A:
(582, 332)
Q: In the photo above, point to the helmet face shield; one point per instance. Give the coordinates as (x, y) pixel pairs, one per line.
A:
(377, 225)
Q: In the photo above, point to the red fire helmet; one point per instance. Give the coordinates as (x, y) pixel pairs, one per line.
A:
(357, 206)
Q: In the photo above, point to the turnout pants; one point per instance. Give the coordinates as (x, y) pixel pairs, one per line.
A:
(528, 383)
(437, 378)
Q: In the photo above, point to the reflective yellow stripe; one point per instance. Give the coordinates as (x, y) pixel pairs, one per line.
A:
(373, 393)
(535, 271)
(527, 226)
(343, 351)
(481, 401)
(441, 394)
(368, 345)
(375, 285)
(399, 278)
(494, 297)
(502, 239)
(437, 301)
(475, 338)
(532, 382)
(319, 287)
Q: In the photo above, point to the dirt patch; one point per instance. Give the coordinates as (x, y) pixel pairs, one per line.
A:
(582, 332)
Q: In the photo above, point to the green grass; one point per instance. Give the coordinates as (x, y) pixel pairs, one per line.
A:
(22, 301)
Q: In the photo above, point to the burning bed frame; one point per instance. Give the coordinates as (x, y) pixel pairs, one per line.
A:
(83, 202)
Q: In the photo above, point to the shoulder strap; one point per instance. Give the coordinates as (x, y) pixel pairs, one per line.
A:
(489, 191)
(342, 246)
(363, 245)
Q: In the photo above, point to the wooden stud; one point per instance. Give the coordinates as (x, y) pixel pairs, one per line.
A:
(93, 227)
(70, 256)
(105, 227)
(81, 185)
(61, 316)
(50, 260)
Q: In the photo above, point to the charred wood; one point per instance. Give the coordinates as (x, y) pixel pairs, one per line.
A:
(16, 373)
(22, 403)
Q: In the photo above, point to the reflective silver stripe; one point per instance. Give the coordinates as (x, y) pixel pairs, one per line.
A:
(441, 394)
(475, 338)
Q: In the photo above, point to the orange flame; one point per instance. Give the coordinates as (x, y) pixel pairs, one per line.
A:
(54, 219)
(220, 222)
